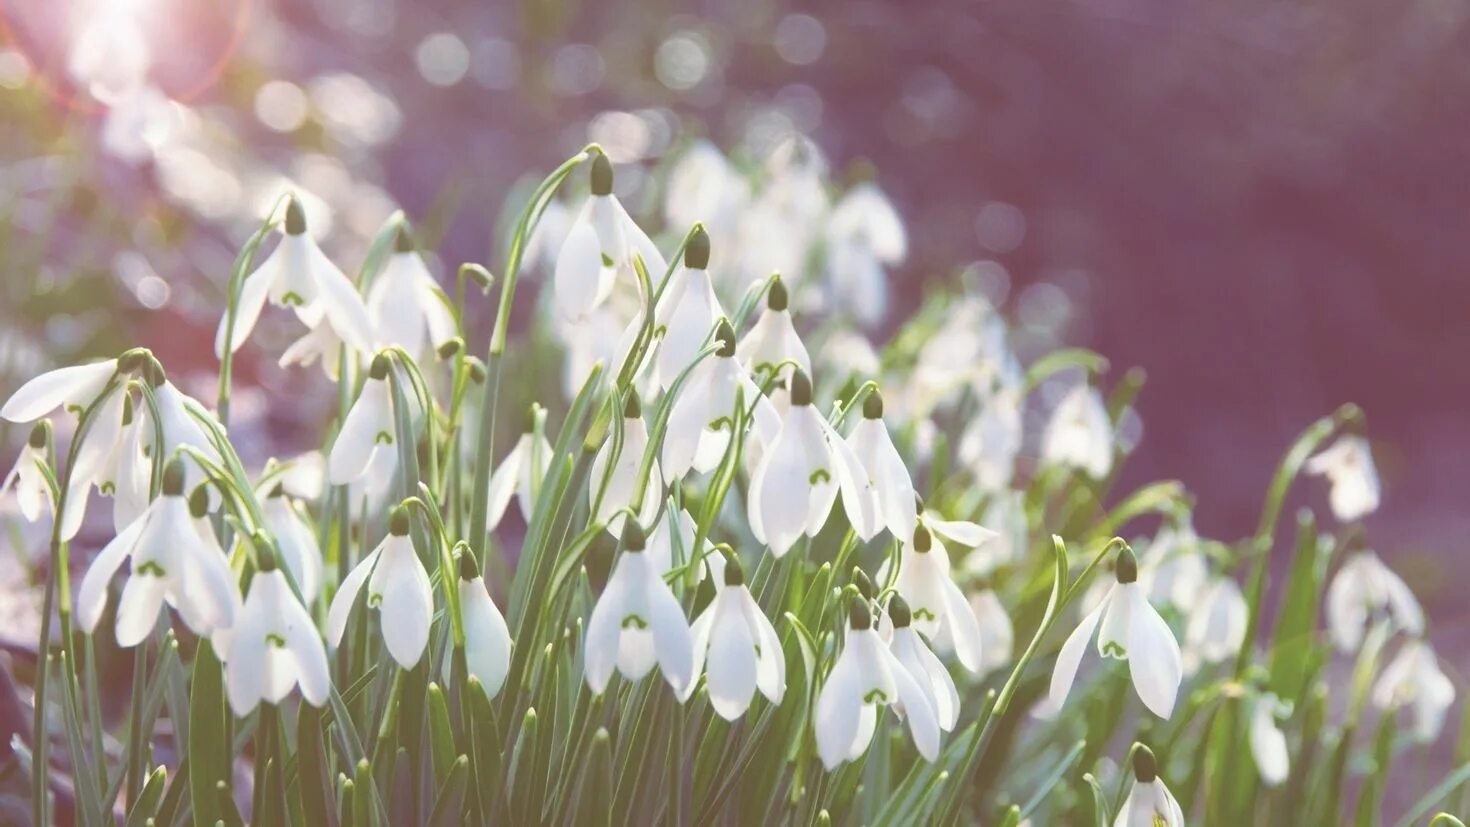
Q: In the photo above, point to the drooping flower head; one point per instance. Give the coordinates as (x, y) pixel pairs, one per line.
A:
(1149, 802)
(1353, 478)
(638, 623)
(408, 307)
(398, 590)
(687, 312)
(272, 647)
(487, 643)
(622, 478)
(703, 413)
(737, 647)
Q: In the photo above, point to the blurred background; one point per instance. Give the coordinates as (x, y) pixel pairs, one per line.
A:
(1260, 204)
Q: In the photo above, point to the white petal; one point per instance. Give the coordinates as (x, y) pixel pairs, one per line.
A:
(672, 642)
(305, 645)
(137, 610)
(578, 271)
(92, 596)
(503, 481)
(437, 316)
(687, 420)
(1153, 656)
(1347, 608)
(1268, 744)
(964, 627)
(858, 497)
(72, 386)
(253, 293)
(1064, 674)
(346, 596)
(101, 439)
(487, 638)
(839, 704)
(393, 304)
(732, 660)
(340, 301)
(247, 677)
(922, 721)
(770, 675)
(968, 534)
(779, 493)
(604, 630)
(407, 606)
(369, 421)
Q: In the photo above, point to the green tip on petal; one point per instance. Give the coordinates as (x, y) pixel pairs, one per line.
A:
(468, 568)
(873, 405)
(398, 523)
(777, 298)
(734, 572)
(725, 335)
(632, 406)
(39, 435)
(923, 541)
(403, 242)
(173, 478)
(602, 175)
(633, 537)
(1127, 566)
(801, 388)
(859, 616)
(1145, 766)
(862, 582)
(295, 217)
(379, 368)
(199, 501)
(696, 253)
(899, 613)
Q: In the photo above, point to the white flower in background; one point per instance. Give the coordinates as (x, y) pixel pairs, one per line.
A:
(884, 471)
(1174, 567)
(127, 474)
(1132, 630)
(1413, 679)
(864, 237)
(687, 311)
(27, 480)
(320, 345)
(992, 440)
(773, 341)
(703, 187)
(1149, 802)
(297, 274)
(303, 476)
(1217, 623)
(398, 588)
(175, 560)
(913, 653)
(73, 389)
(738, 649)
(1006, 512)
(367, 432)
(847, 355)
(1268, 742)
(299, 549)
(800, 474)
(519, 474)
(1080, 434)
(703, 413)
(865, 676)
(487, 641)
(109, 54)
(599, 246)
(962, 532)
(677, 526)
(780, 229)
(1348, 466)
(622, 481)
(272, 646)
(997, 636)
(636, 623)
(406, 304)
(968, 350)
(548, 236)
(139, 123)
(939, 609)
(1362, 588)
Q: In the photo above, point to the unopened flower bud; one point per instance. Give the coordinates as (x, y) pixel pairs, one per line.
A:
(602, 175)
(1145, 766)
(696, 253)
(873, 405)
(899, 612)
(1127, 566)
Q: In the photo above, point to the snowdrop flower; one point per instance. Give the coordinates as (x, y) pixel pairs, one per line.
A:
(1217, 623)
(939, 609)
(1079, 434)
(703, 187)
(1132, 630)
(773, 340)
(1268, 742)
(638, 622)
(1006, 511)
(176, 559)
(299, 550)
(784, 222)
(368, 430)
(992, 440)
(179, 418)
(738, 647)
(913, 653)
(32, 491)
(519, 474)
(687, 311)
(320, 345)
(621, 483)
(487, 641)
(407, 306)
(297, 274)
(864, 235)
(1149, 802)
(398, 588)
(997, 636)
(799, 475)
(963, 532)
(885, 472)
(865, 676)
(1413, 678)
(1348, 466)
(127, 474)
(600, 244)
(1175, 568)
(73, 389)
(272, 646)
(703, 413)
(1363, 587)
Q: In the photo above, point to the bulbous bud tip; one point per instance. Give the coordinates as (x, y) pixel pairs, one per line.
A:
(398, 523)
(899, 612)
(734, 572)
(173, 478)
(859, 616)
(468, 568)
(199, 501)
(451, 348)
(776, 297)
(1127, 566)
(602, 175)
(861, 580)
(39, 435)
(266, 562)
(379, 368)
(696, 252)
(633, 537)
(632, 406)
(277, 490)
(528, 425)
(130, 361)
(873, 405)
(1145, 766)
(477, 371)
(403, 243)
(295, 217)
(923, 541)
(801, 388)
(725, 335)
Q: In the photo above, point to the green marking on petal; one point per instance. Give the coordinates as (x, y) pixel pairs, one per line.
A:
(925, 614)
(1113, 649)
(819, 476)
(151, 568)
(634, 622)
(374, 600)
(660, 331)
(107, 489)
(875, 696)
(383, 438)
(291, 299)
(720, 424)
(607, 260)
(75, 409)
(273, 639)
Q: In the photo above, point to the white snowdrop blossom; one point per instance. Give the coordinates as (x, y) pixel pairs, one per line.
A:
(637, 623)
(885, 472)
(785, 220)
(1149, 802)
(127, 474)
(992, 440)
(703, 412)
(367, 433)
(997, 635)
(939, 608)
(677, 526)
(73, 389)
(687, 311)
(407, 306)
(799, 476)
(1174, 567)
(1217, 624)
(487, 643)
(1351, 475)
(27, 480)
(864, 236)
(272, 647)
(297, 274)
(1131, 630)
(913, 653)
(519, 475)
(772, 345)
(703, 187)
(1414, 679)
(866, 676)
(299, 549)
(600, 245)
(737, 648)
(1268, 742)
(1006, 514)
(1365, 587)
(175, 558)
(1079, 434)
(398, 589)
(609, 501)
